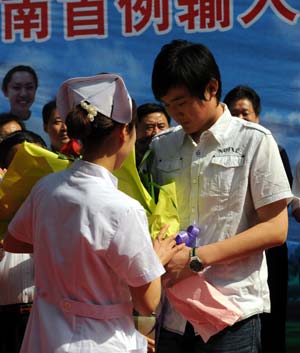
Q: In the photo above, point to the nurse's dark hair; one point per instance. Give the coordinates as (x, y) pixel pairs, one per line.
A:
(184, 63)
(92, 133)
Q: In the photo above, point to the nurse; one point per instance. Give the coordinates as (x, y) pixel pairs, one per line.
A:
(94, 259)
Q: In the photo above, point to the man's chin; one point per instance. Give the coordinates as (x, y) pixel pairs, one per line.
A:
(188, 130)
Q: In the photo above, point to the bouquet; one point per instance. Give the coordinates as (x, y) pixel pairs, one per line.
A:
(30, 163)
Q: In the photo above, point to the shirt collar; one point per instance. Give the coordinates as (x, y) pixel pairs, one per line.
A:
(95, 170)
(221, 127)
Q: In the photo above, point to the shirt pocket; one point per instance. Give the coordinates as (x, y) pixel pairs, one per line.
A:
(224, 174)
(170, 169)
(169, 165)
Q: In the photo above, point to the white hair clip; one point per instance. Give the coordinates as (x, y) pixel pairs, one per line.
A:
(92, 112)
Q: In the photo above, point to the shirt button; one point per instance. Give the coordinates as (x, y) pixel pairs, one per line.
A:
(194, 181)
(193, 209)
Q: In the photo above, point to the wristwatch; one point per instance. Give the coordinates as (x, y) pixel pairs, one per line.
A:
(195, 263)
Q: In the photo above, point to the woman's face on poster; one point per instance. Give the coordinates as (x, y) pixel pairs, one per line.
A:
(20, 92)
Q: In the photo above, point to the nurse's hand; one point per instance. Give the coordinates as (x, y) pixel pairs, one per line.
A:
(150, 345)
(166, 248)
(178, 267)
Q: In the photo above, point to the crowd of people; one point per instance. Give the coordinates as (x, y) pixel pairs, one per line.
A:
(78, 262)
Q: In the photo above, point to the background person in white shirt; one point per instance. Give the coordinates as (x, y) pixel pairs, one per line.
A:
(244, 102)
(94, 257)
(224, 184)
(16, 270)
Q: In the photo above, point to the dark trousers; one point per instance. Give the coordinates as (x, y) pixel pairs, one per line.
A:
(12, 331)
(242, 337)
(273, 334)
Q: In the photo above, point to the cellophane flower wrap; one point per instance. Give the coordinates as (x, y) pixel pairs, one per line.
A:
(160, 212)
(30, 164)
(130, 183)
(165, 211)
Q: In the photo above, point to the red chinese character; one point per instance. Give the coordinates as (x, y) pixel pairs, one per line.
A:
(199, 15)
(137, 17)
(85, 18)
(281, 9)
(30, 18)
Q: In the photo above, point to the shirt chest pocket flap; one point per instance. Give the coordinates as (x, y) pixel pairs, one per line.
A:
(224, 171)
(228, 161)
(170, 165)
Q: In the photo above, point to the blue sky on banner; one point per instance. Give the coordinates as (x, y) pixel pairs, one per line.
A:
(255, 42)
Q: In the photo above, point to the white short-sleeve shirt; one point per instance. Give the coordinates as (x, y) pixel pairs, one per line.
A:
(220, 183)
(91, 242)
(16, 279)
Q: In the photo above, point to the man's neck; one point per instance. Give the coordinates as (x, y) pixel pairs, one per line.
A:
(210, 122)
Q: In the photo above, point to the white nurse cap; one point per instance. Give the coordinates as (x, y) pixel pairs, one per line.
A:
(104, 93)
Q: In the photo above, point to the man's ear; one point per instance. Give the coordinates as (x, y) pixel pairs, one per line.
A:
(211, 89)
(45, 128)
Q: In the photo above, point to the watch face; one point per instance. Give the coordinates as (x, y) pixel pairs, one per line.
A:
(196, 265)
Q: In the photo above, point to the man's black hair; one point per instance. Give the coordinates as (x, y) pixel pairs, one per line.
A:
(183, 63)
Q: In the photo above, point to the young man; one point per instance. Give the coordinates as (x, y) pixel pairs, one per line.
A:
(245, 103)
(224, 184)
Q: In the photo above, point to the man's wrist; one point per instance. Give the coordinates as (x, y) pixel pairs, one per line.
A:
(195, 263)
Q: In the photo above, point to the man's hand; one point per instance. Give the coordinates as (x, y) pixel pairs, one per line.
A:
(166, 248)
(178, 267)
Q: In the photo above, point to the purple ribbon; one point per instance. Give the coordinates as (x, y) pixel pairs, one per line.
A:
(188, 236)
